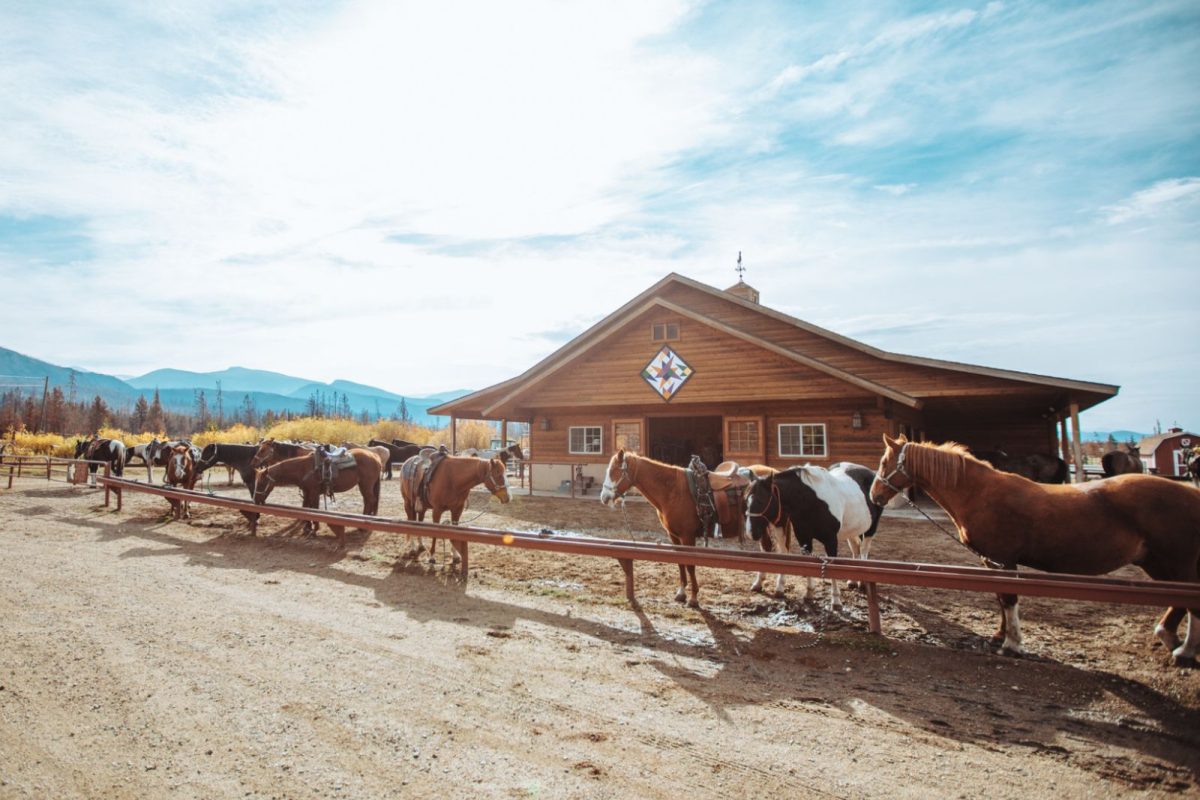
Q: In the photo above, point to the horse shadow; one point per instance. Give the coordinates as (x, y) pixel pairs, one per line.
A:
(849, 674)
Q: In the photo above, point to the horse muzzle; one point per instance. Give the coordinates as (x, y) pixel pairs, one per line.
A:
(502, 495)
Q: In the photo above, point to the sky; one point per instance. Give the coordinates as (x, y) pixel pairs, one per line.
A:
(431, 196)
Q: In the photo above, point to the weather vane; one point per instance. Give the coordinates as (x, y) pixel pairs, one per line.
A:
(739, 268)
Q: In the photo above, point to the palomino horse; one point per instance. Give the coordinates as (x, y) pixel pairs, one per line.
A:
(448, 488)
(181, 472)
(1122, 462)
(304, 472)
(1086, 528)
(666, 488)
(822, 504)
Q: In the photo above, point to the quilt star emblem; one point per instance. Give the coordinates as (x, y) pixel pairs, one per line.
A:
(666, 372)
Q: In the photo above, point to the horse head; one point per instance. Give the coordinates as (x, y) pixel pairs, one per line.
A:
(263, 484)
(617, 478)
(180, 465)
(891, 478)
(763, 506)
(264, 455)
(494, 479)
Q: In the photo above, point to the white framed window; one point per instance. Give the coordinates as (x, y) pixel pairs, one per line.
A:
(585, 439)
(803, 440)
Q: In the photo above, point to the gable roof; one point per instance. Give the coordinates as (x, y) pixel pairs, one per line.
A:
(487, 401)
(1149, 444)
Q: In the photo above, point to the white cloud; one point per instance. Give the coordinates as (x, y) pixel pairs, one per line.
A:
(1149, 202)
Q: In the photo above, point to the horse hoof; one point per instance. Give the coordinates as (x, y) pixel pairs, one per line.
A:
(1179, 658)
(693, 603)
(1011, 652)
(1169, 639)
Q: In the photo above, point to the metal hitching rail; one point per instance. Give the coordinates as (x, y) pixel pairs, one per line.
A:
(871, 573)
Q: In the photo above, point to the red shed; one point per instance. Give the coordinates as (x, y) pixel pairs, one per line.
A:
(1167, 453)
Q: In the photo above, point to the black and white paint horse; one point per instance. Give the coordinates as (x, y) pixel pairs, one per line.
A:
(95, 449)
(1194, 469)
(237, 457)
(821, 504)
(143, 452)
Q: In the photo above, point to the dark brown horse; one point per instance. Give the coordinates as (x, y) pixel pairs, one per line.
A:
(1085, 528)
(666, 488)
(181, 472)
(448, 489)
(304, 471)
(1122, 462)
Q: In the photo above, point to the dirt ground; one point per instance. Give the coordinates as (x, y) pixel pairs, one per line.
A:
(141, 657)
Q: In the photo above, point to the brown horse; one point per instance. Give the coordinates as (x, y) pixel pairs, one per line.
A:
(271, 452)
(666, 488)
(1085, 528)
(448, 490)
(304, 472)
(1122, 462)
(181, 471)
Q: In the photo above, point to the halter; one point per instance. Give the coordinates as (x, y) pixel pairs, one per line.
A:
(899, 470)
(618, 493)
(264, 475)
(489, 483)
(763, 514)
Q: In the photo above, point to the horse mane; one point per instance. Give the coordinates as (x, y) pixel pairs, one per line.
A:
(942, 464)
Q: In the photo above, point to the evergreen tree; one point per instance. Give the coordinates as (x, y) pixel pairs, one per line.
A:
(141, 414)
(404, 415)
(248, 415)
(97, 414)
(56, 411)
(220, 407)
(156, 421)
(202, 415)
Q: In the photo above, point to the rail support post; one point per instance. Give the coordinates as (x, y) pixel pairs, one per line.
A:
(106, 486)
(627, 566)
(873, 609)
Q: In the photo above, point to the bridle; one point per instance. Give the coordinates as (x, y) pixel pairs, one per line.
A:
(763, 514)
(490, 483)
(619, 493)
(899, 469)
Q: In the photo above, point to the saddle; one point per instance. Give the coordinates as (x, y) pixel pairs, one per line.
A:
(416, 473)
(329, 462)
(719, 493)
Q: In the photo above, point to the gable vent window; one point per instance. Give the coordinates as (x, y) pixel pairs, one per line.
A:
(664, 331)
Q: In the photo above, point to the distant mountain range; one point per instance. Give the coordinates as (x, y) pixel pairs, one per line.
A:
(1121, 437)
(267, 390)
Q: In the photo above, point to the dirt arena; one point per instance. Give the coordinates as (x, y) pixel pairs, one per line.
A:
(141, 657)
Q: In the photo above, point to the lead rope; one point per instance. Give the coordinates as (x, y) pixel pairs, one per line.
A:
(989, 562)
(819, 628)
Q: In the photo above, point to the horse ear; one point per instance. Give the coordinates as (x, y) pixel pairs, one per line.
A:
(621, 454)
(890, 442)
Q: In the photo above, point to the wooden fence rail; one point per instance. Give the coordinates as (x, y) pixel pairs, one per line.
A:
(871, 573)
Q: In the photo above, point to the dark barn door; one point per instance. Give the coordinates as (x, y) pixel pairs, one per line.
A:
(674, 439)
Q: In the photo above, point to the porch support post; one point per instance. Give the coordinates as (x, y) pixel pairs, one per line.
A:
(453, 434)
(504, 434)
(1064, 447)
(1076, 447)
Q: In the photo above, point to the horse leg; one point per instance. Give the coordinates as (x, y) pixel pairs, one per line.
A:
(681, 594)
(1009, 635)
(1185, 654)
(437, 520)
(856, 550)
(1167, 629)
(766, 545)
(694, 586)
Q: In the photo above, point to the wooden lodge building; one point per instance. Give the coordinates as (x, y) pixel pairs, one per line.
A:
(686, 368)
